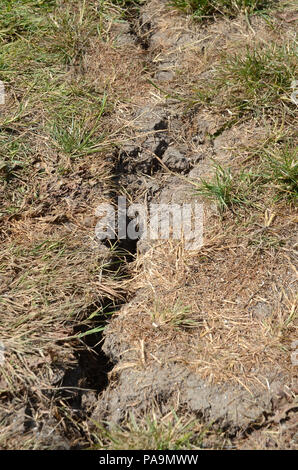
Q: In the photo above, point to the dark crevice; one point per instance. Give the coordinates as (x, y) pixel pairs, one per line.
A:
(141, 31)
(29, 422)
(161, 148)
(93, 365)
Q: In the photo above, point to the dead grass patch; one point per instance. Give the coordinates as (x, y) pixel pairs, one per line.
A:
(240, 296)
(112, 67)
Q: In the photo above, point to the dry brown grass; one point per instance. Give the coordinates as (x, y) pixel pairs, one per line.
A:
(242, 301)
(120, 70)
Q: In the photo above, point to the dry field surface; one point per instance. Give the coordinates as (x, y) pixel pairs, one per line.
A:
(145, 344)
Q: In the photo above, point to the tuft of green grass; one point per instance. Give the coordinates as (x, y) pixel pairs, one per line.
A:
(283, 170)
(272, 176)
(168, 433)
(208, 8)
(253, 82)
(79, 137)
(259, 79)
(22, 18)
(228, 189)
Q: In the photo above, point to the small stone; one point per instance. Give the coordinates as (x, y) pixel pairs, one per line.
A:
(175, 160)
(164, 75)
